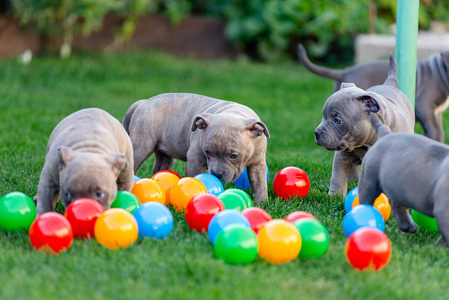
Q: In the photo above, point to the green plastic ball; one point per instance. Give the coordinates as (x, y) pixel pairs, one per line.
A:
(236, 244)
(126, 200)
(424, 222)
(232, 201)
(315, 238)
(245, 196)
(17, 212)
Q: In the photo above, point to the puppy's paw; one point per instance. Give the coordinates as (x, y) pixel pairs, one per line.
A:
(409, 227)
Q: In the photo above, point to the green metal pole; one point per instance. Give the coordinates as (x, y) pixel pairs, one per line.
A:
(406, 45)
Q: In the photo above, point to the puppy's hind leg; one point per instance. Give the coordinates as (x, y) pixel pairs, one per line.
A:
(162, 162)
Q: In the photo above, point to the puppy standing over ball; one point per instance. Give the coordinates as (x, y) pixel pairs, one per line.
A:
(213, 135)
(413, 171)
(346, 128)
(89, 155)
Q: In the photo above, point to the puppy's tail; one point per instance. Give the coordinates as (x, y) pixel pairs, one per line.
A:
(379, 127)
(322, 71)
(392, 78)
(127, 118)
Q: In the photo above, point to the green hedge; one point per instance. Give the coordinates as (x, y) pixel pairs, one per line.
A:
(264, 29)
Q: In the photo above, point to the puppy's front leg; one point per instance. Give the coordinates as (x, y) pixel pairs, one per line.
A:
(257, 176)
(341, 168)
(196, 163)
(47, 196)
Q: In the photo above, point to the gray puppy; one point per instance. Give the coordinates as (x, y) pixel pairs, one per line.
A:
(89, 155)
(412, 170)
(432, 85)
(346, 128)
(212, 135)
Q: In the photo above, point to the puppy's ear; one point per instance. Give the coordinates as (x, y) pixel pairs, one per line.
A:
(445, 57)
(201, 121)
(347, 85)
(370, 104)
(257, 128)
(118, 163)
(65, 155)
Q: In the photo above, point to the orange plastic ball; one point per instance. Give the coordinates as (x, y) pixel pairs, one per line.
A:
(279, 241)
(184, 190)
(147, 190)
(166, 180)
(381, 203)
(116, 228)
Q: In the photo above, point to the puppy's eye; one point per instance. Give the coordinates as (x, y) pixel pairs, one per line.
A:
(337, 120)
(207, 153)
(234, 156)
(99, 195)
(67, 195)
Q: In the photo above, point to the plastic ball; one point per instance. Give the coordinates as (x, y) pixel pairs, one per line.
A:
(424, 222)
(245, 196)
(126, 200)
(291, 182)
(147, 190)
(212, 183)
(279, 242)
(349, 200)
(17, 212)
(168, 171)
(116, 228)
(223, 219)
(201, 209)
(381, 203)
(232, 201)
(368, 248)
(362, 215)
(154, 220)
(297, 215)
(82, 215)
(314, 237)
(135, 178)
(166, 179)
(242, 182)
(236, 244)
(257, 217)
(51, 232)
(184, 190)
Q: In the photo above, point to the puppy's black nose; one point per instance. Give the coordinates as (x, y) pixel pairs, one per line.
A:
(218, 175)
(317, 135)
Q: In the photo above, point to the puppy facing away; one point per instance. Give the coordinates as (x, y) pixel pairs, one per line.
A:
(211, 135)
(346, 128)
(89, 155)
(432, 85)
(413, 171)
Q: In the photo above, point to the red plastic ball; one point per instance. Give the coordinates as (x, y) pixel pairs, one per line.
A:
(368, 248)
(291, 182)
(82, 215)
(201, 209)
(51, 232)
(257, 217)
(297, 215)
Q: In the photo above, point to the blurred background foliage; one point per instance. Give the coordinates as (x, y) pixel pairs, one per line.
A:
(263, 29)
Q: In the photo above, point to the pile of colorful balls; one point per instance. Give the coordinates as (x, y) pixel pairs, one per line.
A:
(238, 231)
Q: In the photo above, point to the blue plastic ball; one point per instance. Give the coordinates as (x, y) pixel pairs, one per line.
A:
(154, 220)
(136, 178)
(212, 183)
(362, 215)
(242, 182)
(223, 219)
(350, 198)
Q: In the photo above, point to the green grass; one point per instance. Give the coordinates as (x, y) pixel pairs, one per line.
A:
(34, 98)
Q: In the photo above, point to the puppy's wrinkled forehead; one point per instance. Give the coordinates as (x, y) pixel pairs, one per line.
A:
(341, 99)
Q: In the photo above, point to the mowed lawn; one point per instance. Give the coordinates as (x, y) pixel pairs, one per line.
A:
(289, 99)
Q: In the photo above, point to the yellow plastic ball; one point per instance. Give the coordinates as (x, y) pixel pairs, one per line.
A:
(184, 190)
(166, 180)
(147, 190)
(116, 228)
(279, 241)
